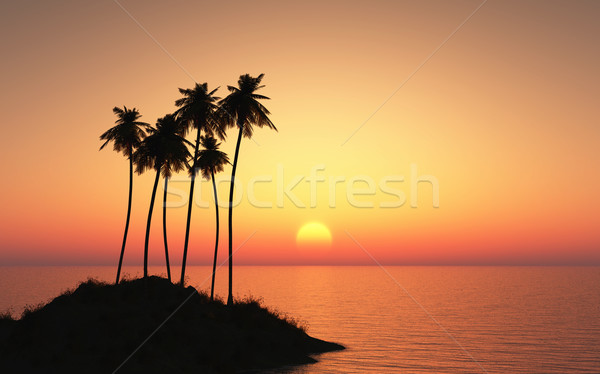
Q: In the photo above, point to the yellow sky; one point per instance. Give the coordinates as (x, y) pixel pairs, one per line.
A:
(504, 115)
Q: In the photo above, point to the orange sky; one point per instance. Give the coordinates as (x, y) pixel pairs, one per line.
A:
(504, 116)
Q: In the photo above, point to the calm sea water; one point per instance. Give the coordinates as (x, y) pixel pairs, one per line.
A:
(401, 319)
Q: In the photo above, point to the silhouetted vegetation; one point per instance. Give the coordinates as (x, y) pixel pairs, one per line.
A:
(100, 328)
(210, 161)
(242, 110)
(126, 137)
(164, 150)
(197, 110)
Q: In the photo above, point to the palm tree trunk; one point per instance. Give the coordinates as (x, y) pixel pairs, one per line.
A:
(212, 286)
(165, 229)
(235, 159)
(128, 216)
(189, 212)
(148, 224)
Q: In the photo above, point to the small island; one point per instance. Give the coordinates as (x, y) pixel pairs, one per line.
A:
(151, 325)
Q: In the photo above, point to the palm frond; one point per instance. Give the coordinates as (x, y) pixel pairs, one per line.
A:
(197, 107)
(164, 149)
(210, 159)
(128, 132)
(260, 97)
(242, 109)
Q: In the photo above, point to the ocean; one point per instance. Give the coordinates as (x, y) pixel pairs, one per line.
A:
(398, 319)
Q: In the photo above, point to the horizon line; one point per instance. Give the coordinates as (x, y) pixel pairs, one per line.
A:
(323, 265)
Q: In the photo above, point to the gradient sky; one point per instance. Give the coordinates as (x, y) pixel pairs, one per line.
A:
(504, 115)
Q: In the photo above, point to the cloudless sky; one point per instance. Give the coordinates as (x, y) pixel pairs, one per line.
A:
(504, 115)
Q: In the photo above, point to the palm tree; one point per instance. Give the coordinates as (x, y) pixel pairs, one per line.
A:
(165, 151)
(210, 161)
(241, 108)
(126, 136)
(196, 110)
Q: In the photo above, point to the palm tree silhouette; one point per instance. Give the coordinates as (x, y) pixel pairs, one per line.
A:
(196, 110)
(210, 161)
(241, 108)
(126, 136)
(165, 151)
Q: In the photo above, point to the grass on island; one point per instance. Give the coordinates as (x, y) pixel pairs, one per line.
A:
(98, 327)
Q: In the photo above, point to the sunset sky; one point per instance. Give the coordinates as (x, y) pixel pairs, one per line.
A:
(504, 115)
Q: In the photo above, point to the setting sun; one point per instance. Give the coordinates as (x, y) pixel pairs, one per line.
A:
(313, 235)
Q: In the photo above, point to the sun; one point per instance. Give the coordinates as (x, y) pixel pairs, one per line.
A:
(313, 235)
